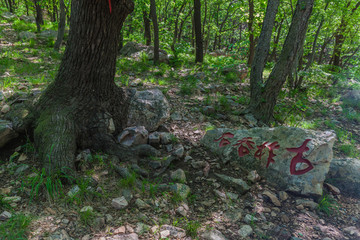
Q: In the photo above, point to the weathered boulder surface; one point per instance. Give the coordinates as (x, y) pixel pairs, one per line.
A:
(345, 174)
(148, 108)
(278, 173)
(7, 133)
(135, 50)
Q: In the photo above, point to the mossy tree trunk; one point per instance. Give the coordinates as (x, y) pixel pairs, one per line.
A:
(75, 111)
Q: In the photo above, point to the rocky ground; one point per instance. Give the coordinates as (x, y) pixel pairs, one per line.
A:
(181, 198)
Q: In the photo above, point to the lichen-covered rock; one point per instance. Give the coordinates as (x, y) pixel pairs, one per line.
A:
(345, 174)
(7, 133)
(148, 108)
(319, 153)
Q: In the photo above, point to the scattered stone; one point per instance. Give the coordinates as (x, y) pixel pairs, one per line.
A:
(141, 204)
(183, 210)
(234, 215)
(307, 203)
(213, 235)
(73, 191)
(179, 151)
(5, 109)
(25, 18)
(154, 139)
(283, 196)
(129, 229)
(175, 232)
(127, 194)
(120, 230)
(165, 138)
(119, 203)
(48, 34)
(27, 35)
(198, 164)
(178, 176)
(21, 169)
(285, 218)
(87, 209)
(13, 199)
(22, 157)
(239, 184)
(6, 132)
(245, 231)
(251, 119)
(272, 197)
(8, 15)
(131, 236)
(5, 215)
(148, 108)
(176, 116)
(250, 219)
(353, 231)
(65, 221)
(253, 176)
(141, 228)
(334, 190)
(59, 235)
(181, 189)
(133, 136)
(164, 234)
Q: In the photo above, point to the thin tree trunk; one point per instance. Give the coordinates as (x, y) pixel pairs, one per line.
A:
(294, 43)
(251, 32)
(156, 30)
(39, 16)
(261, 53)
(61, 28)
(147, 32)
(199, 42)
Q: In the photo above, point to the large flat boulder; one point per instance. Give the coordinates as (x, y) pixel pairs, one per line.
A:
(135, 50)
(7, 133)
(148, 108)
(284, 166)
(345, 175)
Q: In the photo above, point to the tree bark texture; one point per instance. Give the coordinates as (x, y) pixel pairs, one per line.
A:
(261, 52)
(156, 30)
(264, 106)
(199, 42)
(76, 108)
(251, 32)
(39, 16)
(147, 29)
(61, 28)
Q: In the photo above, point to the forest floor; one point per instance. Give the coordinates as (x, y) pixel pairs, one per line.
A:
(27, 67)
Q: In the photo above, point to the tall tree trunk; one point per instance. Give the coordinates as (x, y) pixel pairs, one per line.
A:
(147, 29)
(39, 16)
(263, 108)
(176, 29)
(261, 53)
(61, 28)
(199, 42)
(156, 30)
(323, 47)
(75, 110)
(251, 32)
(276, 41)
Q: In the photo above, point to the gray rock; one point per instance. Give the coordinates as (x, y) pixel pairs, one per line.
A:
(181, 189)
(207, 110)
(48, 34)
(148, 108)
(237, 183)
(252, 120)
(250, 219)
(27, 18)
(253, 176)
(345, 175)
(176, 116)
(13, 199)
(59, 235)
(272, 197)
(119, 203)
(353, 231)
(178, 176)
(5, 215)
(165, 138)
(141, 228)
(307, 203)
(5, 108)
(8, 15)
(213, 235)
(283, 195)
(133, 136)
(245, 231)
(178, 151)
(73, 191)
(320, 155)
(27, 35)
(351, 98)
(136, 50)
(6, 132)
(87, 209)
(154, 139)
(21, 169)
(174, 232)
(183, 210)
(131, 236)
(141, 204)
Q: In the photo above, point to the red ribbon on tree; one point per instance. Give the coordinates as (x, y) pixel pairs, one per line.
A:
(110, 5)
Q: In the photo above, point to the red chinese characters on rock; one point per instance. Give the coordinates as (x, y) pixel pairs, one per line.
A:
(246, 144)
(300, 159)
(242, 150)
(223, 139)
